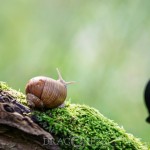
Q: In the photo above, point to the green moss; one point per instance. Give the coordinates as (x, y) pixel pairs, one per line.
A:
(16, 94)
(81, 127)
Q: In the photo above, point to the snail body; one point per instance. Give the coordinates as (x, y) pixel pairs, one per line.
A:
(45, 92)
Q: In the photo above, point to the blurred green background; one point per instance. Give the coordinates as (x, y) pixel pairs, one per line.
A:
(103, 45)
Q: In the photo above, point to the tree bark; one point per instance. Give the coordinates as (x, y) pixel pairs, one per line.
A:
(17, 130)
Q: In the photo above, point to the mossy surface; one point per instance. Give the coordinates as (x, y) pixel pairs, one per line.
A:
(16, 94)
(81, 127)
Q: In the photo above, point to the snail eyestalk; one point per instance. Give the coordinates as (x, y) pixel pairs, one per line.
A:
(70, 82)
(59, 75)
(62, 80)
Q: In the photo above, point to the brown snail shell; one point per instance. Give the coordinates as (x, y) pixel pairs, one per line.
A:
(45, 92)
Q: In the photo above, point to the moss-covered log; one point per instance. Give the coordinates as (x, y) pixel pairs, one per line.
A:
(79, 127)
(17, 130)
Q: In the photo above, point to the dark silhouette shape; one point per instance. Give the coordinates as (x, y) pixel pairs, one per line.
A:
(147, 99)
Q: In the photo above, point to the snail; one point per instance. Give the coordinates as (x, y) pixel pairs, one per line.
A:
(45, 92)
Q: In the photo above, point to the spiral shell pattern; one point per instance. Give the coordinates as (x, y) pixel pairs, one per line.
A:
(51, 92)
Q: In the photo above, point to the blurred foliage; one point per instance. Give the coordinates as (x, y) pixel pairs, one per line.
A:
(103, 45)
